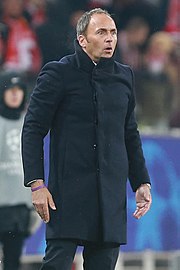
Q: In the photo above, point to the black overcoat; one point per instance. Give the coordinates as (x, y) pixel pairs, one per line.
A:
(94, 145)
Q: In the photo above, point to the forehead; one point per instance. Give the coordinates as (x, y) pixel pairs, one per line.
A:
(101, 20)
(14, 88)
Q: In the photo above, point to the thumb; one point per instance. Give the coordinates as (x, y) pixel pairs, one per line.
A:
(147, 196)
(51, 203)
(144, 193)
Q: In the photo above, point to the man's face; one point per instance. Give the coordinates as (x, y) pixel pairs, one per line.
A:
(13, 97)
(100, 38)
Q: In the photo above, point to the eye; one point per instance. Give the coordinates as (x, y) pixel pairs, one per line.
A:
(100, 32)
(114, 33)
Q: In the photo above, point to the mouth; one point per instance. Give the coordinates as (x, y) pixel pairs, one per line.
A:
(14, 97)
(108, 49)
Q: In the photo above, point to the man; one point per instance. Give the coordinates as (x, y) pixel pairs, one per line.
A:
(86, 100)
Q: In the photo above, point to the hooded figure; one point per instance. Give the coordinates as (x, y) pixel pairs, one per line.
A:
(11, 80)
(15, 201)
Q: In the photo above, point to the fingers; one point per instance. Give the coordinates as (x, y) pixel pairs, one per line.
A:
(143, 201)
(51, 203)
(42, 199)
(143, 207)
(147, 196)
(141, 210)
(45, 214)
(42, 211)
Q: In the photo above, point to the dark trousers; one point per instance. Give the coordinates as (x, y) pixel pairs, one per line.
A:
(60, 255)
(12, 247)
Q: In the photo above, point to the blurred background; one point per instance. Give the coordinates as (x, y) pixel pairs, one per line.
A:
(33, 32)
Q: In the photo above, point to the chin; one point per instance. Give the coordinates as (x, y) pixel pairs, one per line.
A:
(108, 55)
(14, 106)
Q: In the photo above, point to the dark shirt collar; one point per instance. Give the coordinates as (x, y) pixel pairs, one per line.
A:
(85, 63)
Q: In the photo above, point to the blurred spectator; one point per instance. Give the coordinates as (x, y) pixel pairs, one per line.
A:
(71, 32)
(20, 48)
(76, 5)
(37, 11)
(52, 35)
(158, 56)
(125, 10)
(173, 22)
(100, 3)
(172, 26)
(155, 84)
(154, 101)
(175, 115)
(3, 40)
(15, 200)
(162, 6)
(131, 41)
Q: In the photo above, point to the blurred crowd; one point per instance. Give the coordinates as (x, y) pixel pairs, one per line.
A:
(33, 32)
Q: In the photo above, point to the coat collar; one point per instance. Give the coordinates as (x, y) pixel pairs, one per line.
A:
(85, 63)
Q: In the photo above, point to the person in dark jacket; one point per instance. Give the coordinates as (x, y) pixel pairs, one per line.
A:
(86, 101)
(15, 201)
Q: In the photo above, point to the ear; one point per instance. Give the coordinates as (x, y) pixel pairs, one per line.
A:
(82, 41)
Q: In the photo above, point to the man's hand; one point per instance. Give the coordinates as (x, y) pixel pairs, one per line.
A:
(42, 200)
(143, 201)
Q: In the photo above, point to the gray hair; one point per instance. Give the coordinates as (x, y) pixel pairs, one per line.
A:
(84, 20)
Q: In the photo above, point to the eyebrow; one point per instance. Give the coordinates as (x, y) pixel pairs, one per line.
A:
(105, 29)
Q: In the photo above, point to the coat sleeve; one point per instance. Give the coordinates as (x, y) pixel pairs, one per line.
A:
(138, 173)
(46, 96)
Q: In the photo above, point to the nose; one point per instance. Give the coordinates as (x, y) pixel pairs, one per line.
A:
(14, 88)
(109, 37)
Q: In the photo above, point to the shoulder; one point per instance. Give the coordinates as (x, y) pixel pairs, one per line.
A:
(123, 68)
(125, 72)
(57, 67)
(67, 60)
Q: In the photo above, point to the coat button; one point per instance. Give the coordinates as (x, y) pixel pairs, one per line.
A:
(95, 146)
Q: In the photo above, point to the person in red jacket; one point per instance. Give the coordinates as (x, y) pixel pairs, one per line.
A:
(20, 47)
